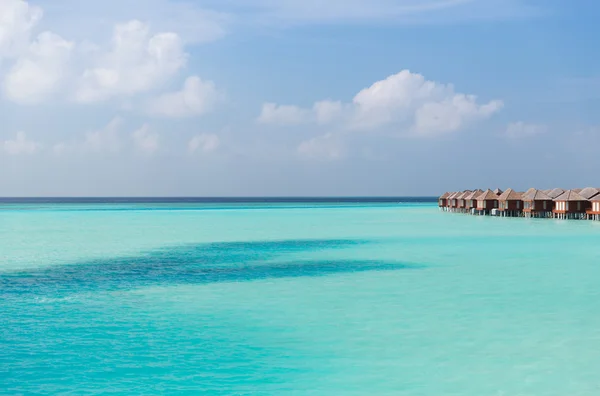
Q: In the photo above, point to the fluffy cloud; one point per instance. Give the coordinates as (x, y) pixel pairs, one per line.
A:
(20, 145)
(106, 139)
(145, 141)
(283, 115)
(404, 102)
(111, 139)
(327, 147)
(327, 111)
(40, 71)
(17, 20)
(137, 62)
(197, 97)
(521, 129)
(204, 143)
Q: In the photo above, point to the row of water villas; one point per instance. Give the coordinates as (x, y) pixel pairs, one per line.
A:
(580, 204)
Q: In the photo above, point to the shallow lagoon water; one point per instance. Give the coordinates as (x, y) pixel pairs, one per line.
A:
(323, 299)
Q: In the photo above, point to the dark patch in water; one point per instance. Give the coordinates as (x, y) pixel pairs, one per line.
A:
(191, 264)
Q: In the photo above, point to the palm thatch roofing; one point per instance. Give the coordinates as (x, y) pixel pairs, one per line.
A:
(536, 195)
(454, 195)
(570, 196)
(464, 194)
(473, 195)
(487, 195)
(497, 191)
(510, 195)
(555, 193)
(596, 198)
(445, 195)
(577, 190)
(589, 192)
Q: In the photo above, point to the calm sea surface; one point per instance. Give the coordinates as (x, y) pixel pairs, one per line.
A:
(294, 298)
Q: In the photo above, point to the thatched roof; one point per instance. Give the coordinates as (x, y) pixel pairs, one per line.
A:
(555, 193)
(536, 195)
(510, 195)
(473, 194)
(445, 195)
(596, 198)
(497, 191)
(487, 196)
(577, 190)
(454, 195)
(570, 196)
(463, 194)
(589, 192)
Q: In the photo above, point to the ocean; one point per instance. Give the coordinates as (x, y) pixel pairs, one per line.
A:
(294, 297)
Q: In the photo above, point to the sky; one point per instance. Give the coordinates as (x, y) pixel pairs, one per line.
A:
(297, 97)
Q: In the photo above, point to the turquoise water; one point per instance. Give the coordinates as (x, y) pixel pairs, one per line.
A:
(269, 299)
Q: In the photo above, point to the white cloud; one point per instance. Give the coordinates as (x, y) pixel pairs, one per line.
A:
(403, 103)
(327, 147)
(327, 111)
(137, 62)
(145, 141)
(40, 71)
(17, 20)
(283, 115)
(110, 139)
(196, 98)
(521, 129)
(106, 139)
(20, 145)
(204, 143)
(452, 114)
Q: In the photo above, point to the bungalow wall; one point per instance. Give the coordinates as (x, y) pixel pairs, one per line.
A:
(542, 206)
(488, 204)
(572, 206)
(511, 205)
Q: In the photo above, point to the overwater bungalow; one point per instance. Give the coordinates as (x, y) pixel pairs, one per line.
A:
(557, 203)
(449, 200)
(443, 200)
(594, 212)
(471, 200)
(537, 203)
(486, 202)
(453, 201)
(462, 202)
(571, 205)
(510, 203)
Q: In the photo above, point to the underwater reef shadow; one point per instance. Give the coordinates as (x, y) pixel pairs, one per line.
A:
(193, 264)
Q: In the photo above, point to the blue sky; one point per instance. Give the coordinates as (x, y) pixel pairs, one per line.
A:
(291, 97)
